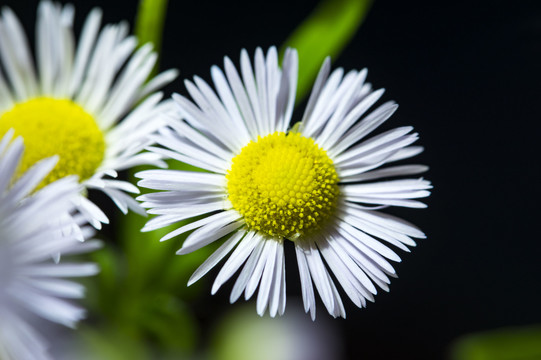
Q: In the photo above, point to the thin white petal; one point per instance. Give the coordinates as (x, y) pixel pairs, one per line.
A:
(206, 235)
(216, 256)
(237, 258)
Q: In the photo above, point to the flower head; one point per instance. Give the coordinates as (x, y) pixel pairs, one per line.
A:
(35, 226)
(87, 102)
(318, 184)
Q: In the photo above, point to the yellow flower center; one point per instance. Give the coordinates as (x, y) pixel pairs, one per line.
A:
(284, 185)
(56, 127)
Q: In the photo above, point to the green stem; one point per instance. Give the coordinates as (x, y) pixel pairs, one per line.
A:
(149, 23)
(325, 32)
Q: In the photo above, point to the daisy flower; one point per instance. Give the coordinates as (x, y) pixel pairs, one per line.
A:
(35, 225)
(317, 184)
(89, 102)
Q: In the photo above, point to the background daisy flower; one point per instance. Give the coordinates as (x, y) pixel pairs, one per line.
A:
(34, 226)
(318, 184)
(86, 101)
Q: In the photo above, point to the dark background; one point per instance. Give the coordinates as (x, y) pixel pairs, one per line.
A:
(466, 76)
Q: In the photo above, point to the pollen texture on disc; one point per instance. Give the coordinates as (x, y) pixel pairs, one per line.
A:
(284, 185)
(56, 127)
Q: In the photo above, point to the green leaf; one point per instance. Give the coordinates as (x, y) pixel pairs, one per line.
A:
(170, 324)
(522, 343)
(149, 23)
(326, 32)
(106, 343)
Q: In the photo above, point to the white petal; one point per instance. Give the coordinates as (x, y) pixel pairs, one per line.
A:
(220, 219)
(235, 261)
(247, 272)
(266, 278)
(216, 257)
(306, 280)
(206, 235)
(256, 273)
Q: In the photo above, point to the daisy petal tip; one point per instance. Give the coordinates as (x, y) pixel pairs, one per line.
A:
(9, 134)
(165, 238)
(327, 62)
(181, 251)
(123, 209)
(215, 288)
(6, 11)
(145, 229)
(188, 83)
(140, 174)
(233, 298)
(93, 269)
(96, 225)
(177, 97)
(191, 281)
(228, 62)
(174, 73)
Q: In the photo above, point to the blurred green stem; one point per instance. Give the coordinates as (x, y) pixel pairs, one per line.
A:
(326, 32)
(149, 23)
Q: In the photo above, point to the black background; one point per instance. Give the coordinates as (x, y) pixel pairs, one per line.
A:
(466, 76)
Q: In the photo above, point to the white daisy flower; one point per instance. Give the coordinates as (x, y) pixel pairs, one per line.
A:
(88, 103)
(33, 228)
(317, 184)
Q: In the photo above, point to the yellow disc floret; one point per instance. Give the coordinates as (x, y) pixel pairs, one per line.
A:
(56, 127)
(284, 185)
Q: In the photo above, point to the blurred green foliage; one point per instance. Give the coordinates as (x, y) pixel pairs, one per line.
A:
(521, 343)
(242, 335)
(326, 32)
(149, 23)
(139, 303)
(141, 296)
